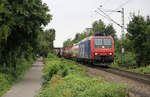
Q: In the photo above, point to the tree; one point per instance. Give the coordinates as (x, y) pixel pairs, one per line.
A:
(137, 29)
(110, 31)
(46, 39)
(147, 45)
(21, 23)
(98, 26)
(68, 42)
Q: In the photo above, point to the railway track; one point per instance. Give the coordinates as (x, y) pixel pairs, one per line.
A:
(143, 78)
(132, 75)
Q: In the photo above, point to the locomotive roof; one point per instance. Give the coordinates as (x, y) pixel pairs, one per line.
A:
(87, 38)
(100, 34)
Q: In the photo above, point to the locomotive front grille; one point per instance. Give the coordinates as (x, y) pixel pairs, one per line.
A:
(104, 58)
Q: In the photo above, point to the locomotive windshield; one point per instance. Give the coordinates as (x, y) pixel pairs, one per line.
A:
(102, 43)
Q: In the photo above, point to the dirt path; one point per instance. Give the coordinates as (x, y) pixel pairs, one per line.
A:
(30, 84)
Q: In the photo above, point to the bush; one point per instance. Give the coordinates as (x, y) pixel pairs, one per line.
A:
(145, 70)
(4, 83)
(22, 66)
(61, 67)
(75, 86)
(7, 79)
(128, 59)
(64, 78)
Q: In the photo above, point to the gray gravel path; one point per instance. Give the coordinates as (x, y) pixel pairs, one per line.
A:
(30, 84)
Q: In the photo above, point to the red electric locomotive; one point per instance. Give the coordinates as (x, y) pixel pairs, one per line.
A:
(102, 48)
(97, 49)
(94, 49)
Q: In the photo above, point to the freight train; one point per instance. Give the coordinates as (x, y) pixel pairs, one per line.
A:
(94, 49)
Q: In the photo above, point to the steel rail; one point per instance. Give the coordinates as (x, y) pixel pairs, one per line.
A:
(142, 78)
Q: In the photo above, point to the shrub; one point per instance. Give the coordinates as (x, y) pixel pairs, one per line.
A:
(7, 79)
(61, 67)
(4, 83)
(128, 59)
(75, 86)
(64, 78)
(145, 70)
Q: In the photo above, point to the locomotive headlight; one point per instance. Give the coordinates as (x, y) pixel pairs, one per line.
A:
(110, 53)
(96, 53)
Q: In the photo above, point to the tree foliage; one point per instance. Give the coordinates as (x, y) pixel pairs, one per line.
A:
(21, 23)
(138, 34)
(45, 42)
(98, 26)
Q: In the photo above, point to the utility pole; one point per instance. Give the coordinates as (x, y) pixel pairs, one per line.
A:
(122, 36)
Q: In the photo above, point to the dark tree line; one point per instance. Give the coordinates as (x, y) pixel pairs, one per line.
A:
(21, 32)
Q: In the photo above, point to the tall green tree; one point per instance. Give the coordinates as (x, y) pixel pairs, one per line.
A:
(147, 45)
(46, 42)
(138, 29)
(21, 22)
(110, 31)
(98, 26)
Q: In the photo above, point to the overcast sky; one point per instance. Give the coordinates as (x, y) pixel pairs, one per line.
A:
(73, 16)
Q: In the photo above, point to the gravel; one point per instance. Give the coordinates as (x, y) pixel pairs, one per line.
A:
(136, 89)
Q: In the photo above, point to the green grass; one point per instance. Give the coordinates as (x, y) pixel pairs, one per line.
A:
(115, 65)
(144, 70)
(65, 78)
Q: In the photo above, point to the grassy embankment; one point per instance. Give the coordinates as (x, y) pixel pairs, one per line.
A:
(128, 62)
(8, 80)
(64, 78)
(143, 70)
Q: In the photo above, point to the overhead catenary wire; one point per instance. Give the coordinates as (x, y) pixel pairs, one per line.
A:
(120, 6)
(101, 14)
(123, 4)
(108, 17)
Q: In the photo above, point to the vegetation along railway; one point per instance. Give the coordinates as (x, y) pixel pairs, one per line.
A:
(98, 49)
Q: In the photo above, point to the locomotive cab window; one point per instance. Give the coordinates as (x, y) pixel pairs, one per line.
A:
(98, 41)
(107, 41)
(102, 42)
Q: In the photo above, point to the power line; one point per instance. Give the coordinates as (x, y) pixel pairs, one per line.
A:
(121, 6)
(109, 17)
(101, 14)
